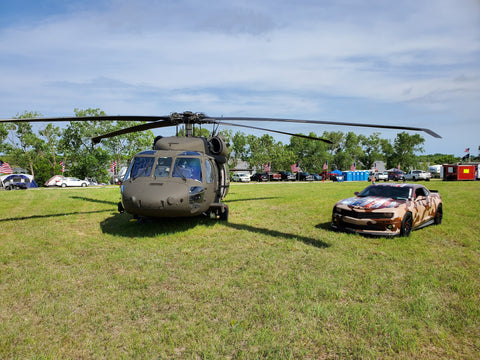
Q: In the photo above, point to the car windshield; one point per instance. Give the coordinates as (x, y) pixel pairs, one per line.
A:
(393, 192)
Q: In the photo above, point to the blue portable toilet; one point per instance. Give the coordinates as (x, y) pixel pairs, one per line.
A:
(365, 175)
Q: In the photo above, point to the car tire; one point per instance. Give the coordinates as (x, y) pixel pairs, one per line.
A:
(64, 185)
(438, 215)
(407, 225)
(84, 185)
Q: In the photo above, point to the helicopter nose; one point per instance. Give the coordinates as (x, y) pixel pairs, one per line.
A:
(172, 200)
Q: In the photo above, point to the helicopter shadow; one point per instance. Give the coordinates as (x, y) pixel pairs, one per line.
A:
(148, 227)
(118, 225)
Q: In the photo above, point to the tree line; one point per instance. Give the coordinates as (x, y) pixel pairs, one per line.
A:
(41, 152)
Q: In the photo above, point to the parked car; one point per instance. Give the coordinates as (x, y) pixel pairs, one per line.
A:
(396, 175)
(317, 177)
(288, 176)
(378, 175)
(259, 177)
(274, 176)
(305, 176)
(388, 210)
(415, 175)
(71, 181)
(241, 177)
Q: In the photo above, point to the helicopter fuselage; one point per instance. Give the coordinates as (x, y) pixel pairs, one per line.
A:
(175, 183)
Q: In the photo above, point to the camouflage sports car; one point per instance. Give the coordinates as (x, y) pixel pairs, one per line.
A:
(388, 210)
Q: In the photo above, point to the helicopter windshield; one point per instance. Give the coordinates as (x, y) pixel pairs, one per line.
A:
(188, 168)
(141, 167)
(164, 164)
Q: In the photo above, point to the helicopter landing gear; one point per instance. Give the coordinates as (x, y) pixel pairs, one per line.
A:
(219, 212)
(224, 213)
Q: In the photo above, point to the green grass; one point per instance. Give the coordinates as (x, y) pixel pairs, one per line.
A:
(79, 280)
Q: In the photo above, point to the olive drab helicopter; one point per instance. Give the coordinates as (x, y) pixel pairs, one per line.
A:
(185, 176)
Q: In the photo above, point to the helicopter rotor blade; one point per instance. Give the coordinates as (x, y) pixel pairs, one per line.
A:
(276, 131)
(90, 118)
(140, 127)
(322, 122)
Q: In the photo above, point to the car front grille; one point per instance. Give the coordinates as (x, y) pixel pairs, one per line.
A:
(364, 215)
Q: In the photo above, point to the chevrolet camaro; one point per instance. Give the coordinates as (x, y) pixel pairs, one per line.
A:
(388, 210)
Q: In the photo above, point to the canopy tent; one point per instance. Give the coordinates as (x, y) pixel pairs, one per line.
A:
(20, 181)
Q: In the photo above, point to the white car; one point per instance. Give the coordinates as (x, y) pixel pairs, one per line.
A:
(71, 181)
(414, 175)
(378, 175)
(241, 177)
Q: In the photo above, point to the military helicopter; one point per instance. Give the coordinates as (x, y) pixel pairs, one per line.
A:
(185, 176)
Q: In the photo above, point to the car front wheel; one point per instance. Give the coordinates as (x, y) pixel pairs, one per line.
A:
(407, 225)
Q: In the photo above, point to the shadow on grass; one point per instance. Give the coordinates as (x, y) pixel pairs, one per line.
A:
(46, 216)
(120, 225)
(95, 200)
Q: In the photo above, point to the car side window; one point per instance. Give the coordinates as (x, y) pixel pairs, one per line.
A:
(419, 192)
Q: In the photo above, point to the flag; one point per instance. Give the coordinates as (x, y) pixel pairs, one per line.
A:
(352, 167)
(113, 166)
(325, 166)
(5, 168)
(467, 150)
(62, 164)
(266, 167)
(398, 167)
(295, 167)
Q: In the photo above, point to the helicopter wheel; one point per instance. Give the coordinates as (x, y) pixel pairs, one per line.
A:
(121, 210)
(224, 213)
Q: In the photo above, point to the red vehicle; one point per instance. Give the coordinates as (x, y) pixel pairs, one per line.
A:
(459, 172)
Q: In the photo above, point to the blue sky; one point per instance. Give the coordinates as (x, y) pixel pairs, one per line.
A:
(412, 63)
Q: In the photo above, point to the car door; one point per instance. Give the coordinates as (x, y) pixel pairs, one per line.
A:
(422, 206)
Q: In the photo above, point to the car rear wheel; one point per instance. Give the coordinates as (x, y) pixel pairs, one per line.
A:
(438, 215)
(64, 185)
(407, 225)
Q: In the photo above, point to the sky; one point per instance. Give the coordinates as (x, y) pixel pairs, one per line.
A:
(412, 62)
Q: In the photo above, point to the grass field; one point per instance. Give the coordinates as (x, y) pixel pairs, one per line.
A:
(79, 280)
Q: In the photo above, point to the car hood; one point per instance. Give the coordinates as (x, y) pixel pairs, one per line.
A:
(371, 202)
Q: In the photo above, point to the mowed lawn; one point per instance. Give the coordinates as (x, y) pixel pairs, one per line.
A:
(79, 280)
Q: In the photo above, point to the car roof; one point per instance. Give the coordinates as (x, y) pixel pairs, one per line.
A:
(409, 185)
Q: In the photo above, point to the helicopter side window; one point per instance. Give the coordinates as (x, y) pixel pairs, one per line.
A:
(164, 164)
(188, 168)
(208, 171)
(142, 167)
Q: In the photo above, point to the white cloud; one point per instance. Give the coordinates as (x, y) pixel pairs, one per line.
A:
(254, 58)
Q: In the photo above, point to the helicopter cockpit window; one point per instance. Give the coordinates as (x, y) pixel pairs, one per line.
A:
(188, 168)
(141, 167)
(208, 171)
(164, 164)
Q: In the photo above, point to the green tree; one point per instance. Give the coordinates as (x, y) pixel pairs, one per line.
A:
(311, 154)
(81, 158)
(52, 134)
(405, 147)
(25, 143)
